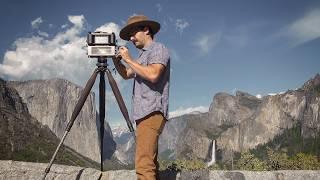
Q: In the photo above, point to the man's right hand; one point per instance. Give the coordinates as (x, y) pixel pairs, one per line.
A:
(116, 58)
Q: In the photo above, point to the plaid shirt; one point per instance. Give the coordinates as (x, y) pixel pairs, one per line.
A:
(149, 97)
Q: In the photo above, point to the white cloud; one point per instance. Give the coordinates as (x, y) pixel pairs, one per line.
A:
(180, 25)
(304, 29)
(36, 23)
(38, 58)
(62, 56)
(259, 96)
(44, 34)
(207, 42)
(274, 94)
(77, 20)
(181, 111)
(112, 27)
(159, 7)
(64, 26)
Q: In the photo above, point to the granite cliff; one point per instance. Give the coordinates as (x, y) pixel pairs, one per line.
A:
(51, 103)
(240, 122)
(23, 138)
(275, 114)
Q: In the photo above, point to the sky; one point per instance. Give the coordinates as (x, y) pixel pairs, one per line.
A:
(259, 47)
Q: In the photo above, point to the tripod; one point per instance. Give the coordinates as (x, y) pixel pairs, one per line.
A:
(102, 68)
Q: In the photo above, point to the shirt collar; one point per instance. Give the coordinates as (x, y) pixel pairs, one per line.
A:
(148, 47)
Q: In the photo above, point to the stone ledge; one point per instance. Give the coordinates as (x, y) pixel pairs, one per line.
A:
(15, 170)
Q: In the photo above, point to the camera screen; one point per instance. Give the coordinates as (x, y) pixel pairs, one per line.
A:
(101, 39)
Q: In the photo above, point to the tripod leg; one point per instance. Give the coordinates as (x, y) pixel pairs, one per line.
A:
(120, 101)
(84, 94)
(102, 96)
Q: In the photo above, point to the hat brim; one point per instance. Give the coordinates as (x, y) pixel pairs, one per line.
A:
(125, 32)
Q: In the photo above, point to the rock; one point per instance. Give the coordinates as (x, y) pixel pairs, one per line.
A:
(119, 174)
(242, 122)
(23, 138)
(312, 83)
(15, 170)
(227, 111)
(266, 175)
(169, 136)
(125, 152)
(194, 146)
(52, 102)
(272, 116)
(239, 122)
(167, 140)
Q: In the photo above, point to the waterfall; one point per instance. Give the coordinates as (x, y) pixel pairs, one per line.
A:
(213, 154)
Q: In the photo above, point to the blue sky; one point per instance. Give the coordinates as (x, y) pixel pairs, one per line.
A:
(259, 47)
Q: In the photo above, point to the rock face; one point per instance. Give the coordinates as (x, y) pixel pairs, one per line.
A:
(15, 124)
(273, 115)
(190, 136)
(227, 111)
(125, 151)
(192, 141)
(169, 137)
(243, 121)
(52, 102)
(176, 139)
(15, 170)
(240, 122)
(23, 138)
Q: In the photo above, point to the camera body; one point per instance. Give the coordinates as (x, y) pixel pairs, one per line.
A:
(101, 44)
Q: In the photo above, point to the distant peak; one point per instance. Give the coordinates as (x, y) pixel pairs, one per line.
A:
(312, 83)
(241, 93)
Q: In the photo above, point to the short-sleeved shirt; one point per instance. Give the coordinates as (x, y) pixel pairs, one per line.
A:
(148, 97)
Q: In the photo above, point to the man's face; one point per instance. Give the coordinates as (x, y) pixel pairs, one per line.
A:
(137, 37)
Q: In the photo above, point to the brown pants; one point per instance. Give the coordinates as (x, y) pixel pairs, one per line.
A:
(148, 131)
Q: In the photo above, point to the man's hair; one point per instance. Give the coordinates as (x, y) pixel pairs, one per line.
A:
(150, 32)
(141, 28)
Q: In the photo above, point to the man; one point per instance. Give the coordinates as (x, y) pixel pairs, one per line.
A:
(151, 73)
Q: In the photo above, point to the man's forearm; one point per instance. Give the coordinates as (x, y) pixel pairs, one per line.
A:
(151, 72)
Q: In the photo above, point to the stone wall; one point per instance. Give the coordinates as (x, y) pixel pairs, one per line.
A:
(14, 170)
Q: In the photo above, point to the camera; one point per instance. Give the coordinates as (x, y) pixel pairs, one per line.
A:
(101, 44)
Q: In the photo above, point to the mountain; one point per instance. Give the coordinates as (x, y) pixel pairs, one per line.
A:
(121, 134)
(240, 122)
(23, 138)
(124, 140)
(169, 145)
(51, 103)
(274, 115)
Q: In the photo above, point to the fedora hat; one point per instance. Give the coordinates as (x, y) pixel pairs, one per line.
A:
(136, 21)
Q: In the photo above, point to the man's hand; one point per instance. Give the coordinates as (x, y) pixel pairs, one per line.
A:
(116, 58)
(125, 72)
(124, 53)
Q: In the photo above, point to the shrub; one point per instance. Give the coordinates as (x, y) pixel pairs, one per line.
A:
(248, 162)
(305, 161)
(182, 164)
(277, 160)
